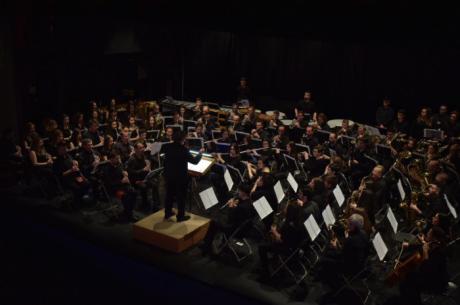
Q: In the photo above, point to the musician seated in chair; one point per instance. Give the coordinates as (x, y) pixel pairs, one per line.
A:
(432, 203)
(430, 271)
(138, 167)
(67, 170)
(345, 257)
(87, 157)
(286, 237)
(238, 211)
(118, 185)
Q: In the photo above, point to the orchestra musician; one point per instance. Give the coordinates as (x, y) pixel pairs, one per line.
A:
(286, 236)
(117, 182)
(68, 171)
(93, 134)
(87, 157)
(238, 211)
(333, 162)
(306, 106)
(124, 147)
(347, 257)
(430, 272)
(138, 167)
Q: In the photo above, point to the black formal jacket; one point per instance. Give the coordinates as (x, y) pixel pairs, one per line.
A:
(355, 251)
(175, 164)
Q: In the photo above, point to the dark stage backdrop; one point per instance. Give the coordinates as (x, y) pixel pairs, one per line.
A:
(75, 60)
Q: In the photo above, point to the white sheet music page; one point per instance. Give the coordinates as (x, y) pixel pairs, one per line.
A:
(279, 192)
(328, 216)
(228, 179)
(380, 246)
(312, 227)
(262, 207)
(451, 207)
(338, 194)
(401, 190)
(392, 219)
(292, 182)
(200, 167)
(155, 148)
(208, 197)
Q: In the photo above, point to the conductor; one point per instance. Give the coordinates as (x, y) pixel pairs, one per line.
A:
(176, 174)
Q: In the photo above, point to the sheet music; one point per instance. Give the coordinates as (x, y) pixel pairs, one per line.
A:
(292, 182)
(286, 122)
(208, 197)
(393, 222)
(338, 194)
(149, 147)
(373, 131)
(451, 207)
(156, 147)
(279, 191)
(380, 246)
(228, 179)
(401, 190)
(262, 207)
(328, 216)
(201, 167)
(312, 227)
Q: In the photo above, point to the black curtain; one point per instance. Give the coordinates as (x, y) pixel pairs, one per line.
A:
(70, 65)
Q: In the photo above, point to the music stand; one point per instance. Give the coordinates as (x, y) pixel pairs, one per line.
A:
(208, 198)
(380, 246)
(433, 134)
(322, 135)
(256, 143)
(240, 136)
(228, 179)
(279, 192)
(383, 150)
(392, 220)
(167, 120)
(153, 134)
(262, 207)
(195, 143)
(291, 163)
(312, 227)
(223, 148)
(328, 216)
(175, 127)
(292, 182)
(347, 140)
(195, 171)
(216, 134)
(302, 148)
(152, 174)
(338, 195)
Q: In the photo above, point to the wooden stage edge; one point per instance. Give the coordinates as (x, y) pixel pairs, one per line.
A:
(171, 235)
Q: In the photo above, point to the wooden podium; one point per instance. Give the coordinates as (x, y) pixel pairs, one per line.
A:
(169, 234)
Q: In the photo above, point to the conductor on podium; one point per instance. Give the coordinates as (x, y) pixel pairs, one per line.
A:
(176, 174)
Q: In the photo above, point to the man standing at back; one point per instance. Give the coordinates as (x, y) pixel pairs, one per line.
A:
(176, 174)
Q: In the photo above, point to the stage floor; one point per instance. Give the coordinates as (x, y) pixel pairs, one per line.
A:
(232, 282)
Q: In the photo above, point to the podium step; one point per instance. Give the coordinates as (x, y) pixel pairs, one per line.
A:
(168, 234)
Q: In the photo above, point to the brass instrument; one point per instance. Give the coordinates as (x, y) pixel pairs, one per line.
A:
(338, 231)
(143, 108)
(417, 176)
(355, 199)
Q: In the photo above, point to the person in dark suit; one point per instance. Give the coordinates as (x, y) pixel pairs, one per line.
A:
(176, 174)
(347, 257)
